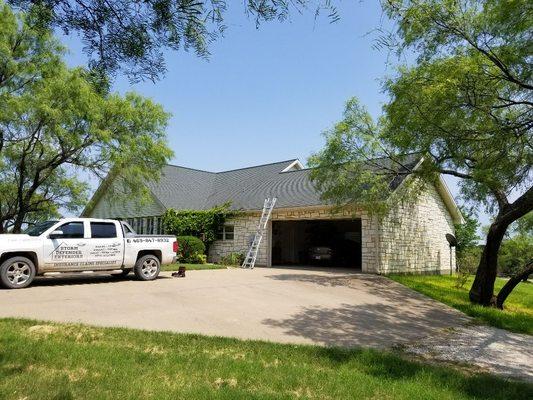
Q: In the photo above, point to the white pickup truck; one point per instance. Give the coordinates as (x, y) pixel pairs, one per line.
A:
(82, 244)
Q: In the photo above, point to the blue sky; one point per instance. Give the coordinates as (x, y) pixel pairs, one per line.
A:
(267, 94)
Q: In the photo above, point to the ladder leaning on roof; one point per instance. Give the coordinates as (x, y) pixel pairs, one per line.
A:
(268, 206)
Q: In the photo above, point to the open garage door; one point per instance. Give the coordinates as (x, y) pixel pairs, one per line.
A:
(335, 243)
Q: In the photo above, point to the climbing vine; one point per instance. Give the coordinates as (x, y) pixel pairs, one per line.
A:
(203, 224)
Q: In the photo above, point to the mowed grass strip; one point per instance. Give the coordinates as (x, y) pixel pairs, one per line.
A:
(41, 360)
(192, 267)
(517, 315)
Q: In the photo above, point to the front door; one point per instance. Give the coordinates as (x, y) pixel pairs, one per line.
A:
(67, 248)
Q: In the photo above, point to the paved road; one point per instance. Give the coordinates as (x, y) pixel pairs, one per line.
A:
(329, 307)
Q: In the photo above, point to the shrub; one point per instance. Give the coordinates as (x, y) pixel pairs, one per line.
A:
(467, 263)
(232, 259)
(190, 248)
(197, 258)
(515, 253)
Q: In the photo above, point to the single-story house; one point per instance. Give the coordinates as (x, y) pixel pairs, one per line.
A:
(411, 238)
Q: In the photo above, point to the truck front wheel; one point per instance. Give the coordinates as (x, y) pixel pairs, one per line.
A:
(17, 272)
(147, 268)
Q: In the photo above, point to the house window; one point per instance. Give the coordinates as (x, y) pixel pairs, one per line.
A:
(150, 226)
(226, 233)
(159, 225)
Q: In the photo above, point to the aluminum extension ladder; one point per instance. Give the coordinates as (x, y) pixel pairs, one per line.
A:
(268, 206)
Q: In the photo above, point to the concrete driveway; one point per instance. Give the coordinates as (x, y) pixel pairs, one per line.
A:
(327, 307)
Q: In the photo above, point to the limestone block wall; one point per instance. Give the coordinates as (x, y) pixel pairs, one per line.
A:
(245, 226)
(412, 237)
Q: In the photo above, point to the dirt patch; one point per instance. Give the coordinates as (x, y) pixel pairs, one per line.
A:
(42, 330)
(220, 383)
(487, 348)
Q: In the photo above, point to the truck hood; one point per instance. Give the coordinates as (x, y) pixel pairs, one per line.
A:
(16, 236)
(17, 242)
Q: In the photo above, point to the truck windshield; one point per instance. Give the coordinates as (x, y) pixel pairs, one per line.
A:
(39, 228)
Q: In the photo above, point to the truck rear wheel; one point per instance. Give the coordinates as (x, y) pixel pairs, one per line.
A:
(17, 272)
(147, 268)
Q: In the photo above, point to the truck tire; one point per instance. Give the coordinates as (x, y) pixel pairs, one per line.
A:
(17, 272)
(147, 268)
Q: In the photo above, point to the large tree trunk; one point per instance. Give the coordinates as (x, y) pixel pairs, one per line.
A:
(482, 291)
(511, 284)
(19, 220)
(483, 287)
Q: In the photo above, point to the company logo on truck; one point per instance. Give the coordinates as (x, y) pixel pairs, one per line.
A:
(67, 251)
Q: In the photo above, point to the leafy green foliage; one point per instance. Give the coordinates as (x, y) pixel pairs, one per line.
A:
(58, 124)
(466, 233)
(515, 253)
(132, 36)
(467, 262)
(465, 104)
(191, 250)
(232, 259)
(524, 226)
(198, 223)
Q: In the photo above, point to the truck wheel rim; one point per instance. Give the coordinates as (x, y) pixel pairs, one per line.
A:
(149, 268)
(18, 273)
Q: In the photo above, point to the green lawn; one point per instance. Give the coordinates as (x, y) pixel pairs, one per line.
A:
(40, 360)
(192, 267)
(518, 313)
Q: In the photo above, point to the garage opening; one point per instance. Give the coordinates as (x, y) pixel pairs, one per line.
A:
(335, 243)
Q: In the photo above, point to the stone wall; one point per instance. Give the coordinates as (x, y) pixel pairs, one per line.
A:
(412, 237)
(244, 229)
(245, 226)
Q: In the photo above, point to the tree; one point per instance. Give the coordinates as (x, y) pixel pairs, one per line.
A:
(58, 124)
(466, 233)
(132, 34)
(465, 104)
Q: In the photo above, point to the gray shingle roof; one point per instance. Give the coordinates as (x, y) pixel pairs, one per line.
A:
(183, 188)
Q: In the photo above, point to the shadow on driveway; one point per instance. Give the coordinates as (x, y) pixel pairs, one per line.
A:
(376, 325)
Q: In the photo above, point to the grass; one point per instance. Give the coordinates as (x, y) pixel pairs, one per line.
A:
(517, 315)
(64, 361)
(192, 267)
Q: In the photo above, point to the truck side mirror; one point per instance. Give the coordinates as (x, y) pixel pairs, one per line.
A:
(55, 234)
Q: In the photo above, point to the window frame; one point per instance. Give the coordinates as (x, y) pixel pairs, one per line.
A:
(223, 234)
(58, 228)
(103, 223)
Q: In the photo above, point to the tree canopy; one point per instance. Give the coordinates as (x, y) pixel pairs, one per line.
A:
(59, 125)
(131, 35)
(465, 104)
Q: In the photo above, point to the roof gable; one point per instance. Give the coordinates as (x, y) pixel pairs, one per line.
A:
(183, 188)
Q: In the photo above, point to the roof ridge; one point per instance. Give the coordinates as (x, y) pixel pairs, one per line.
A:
(236, 169)
(257, 166)
(192, 169)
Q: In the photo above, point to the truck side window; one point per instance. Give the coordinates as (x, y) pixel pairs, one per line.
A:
(72, 230)
(102, 230)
